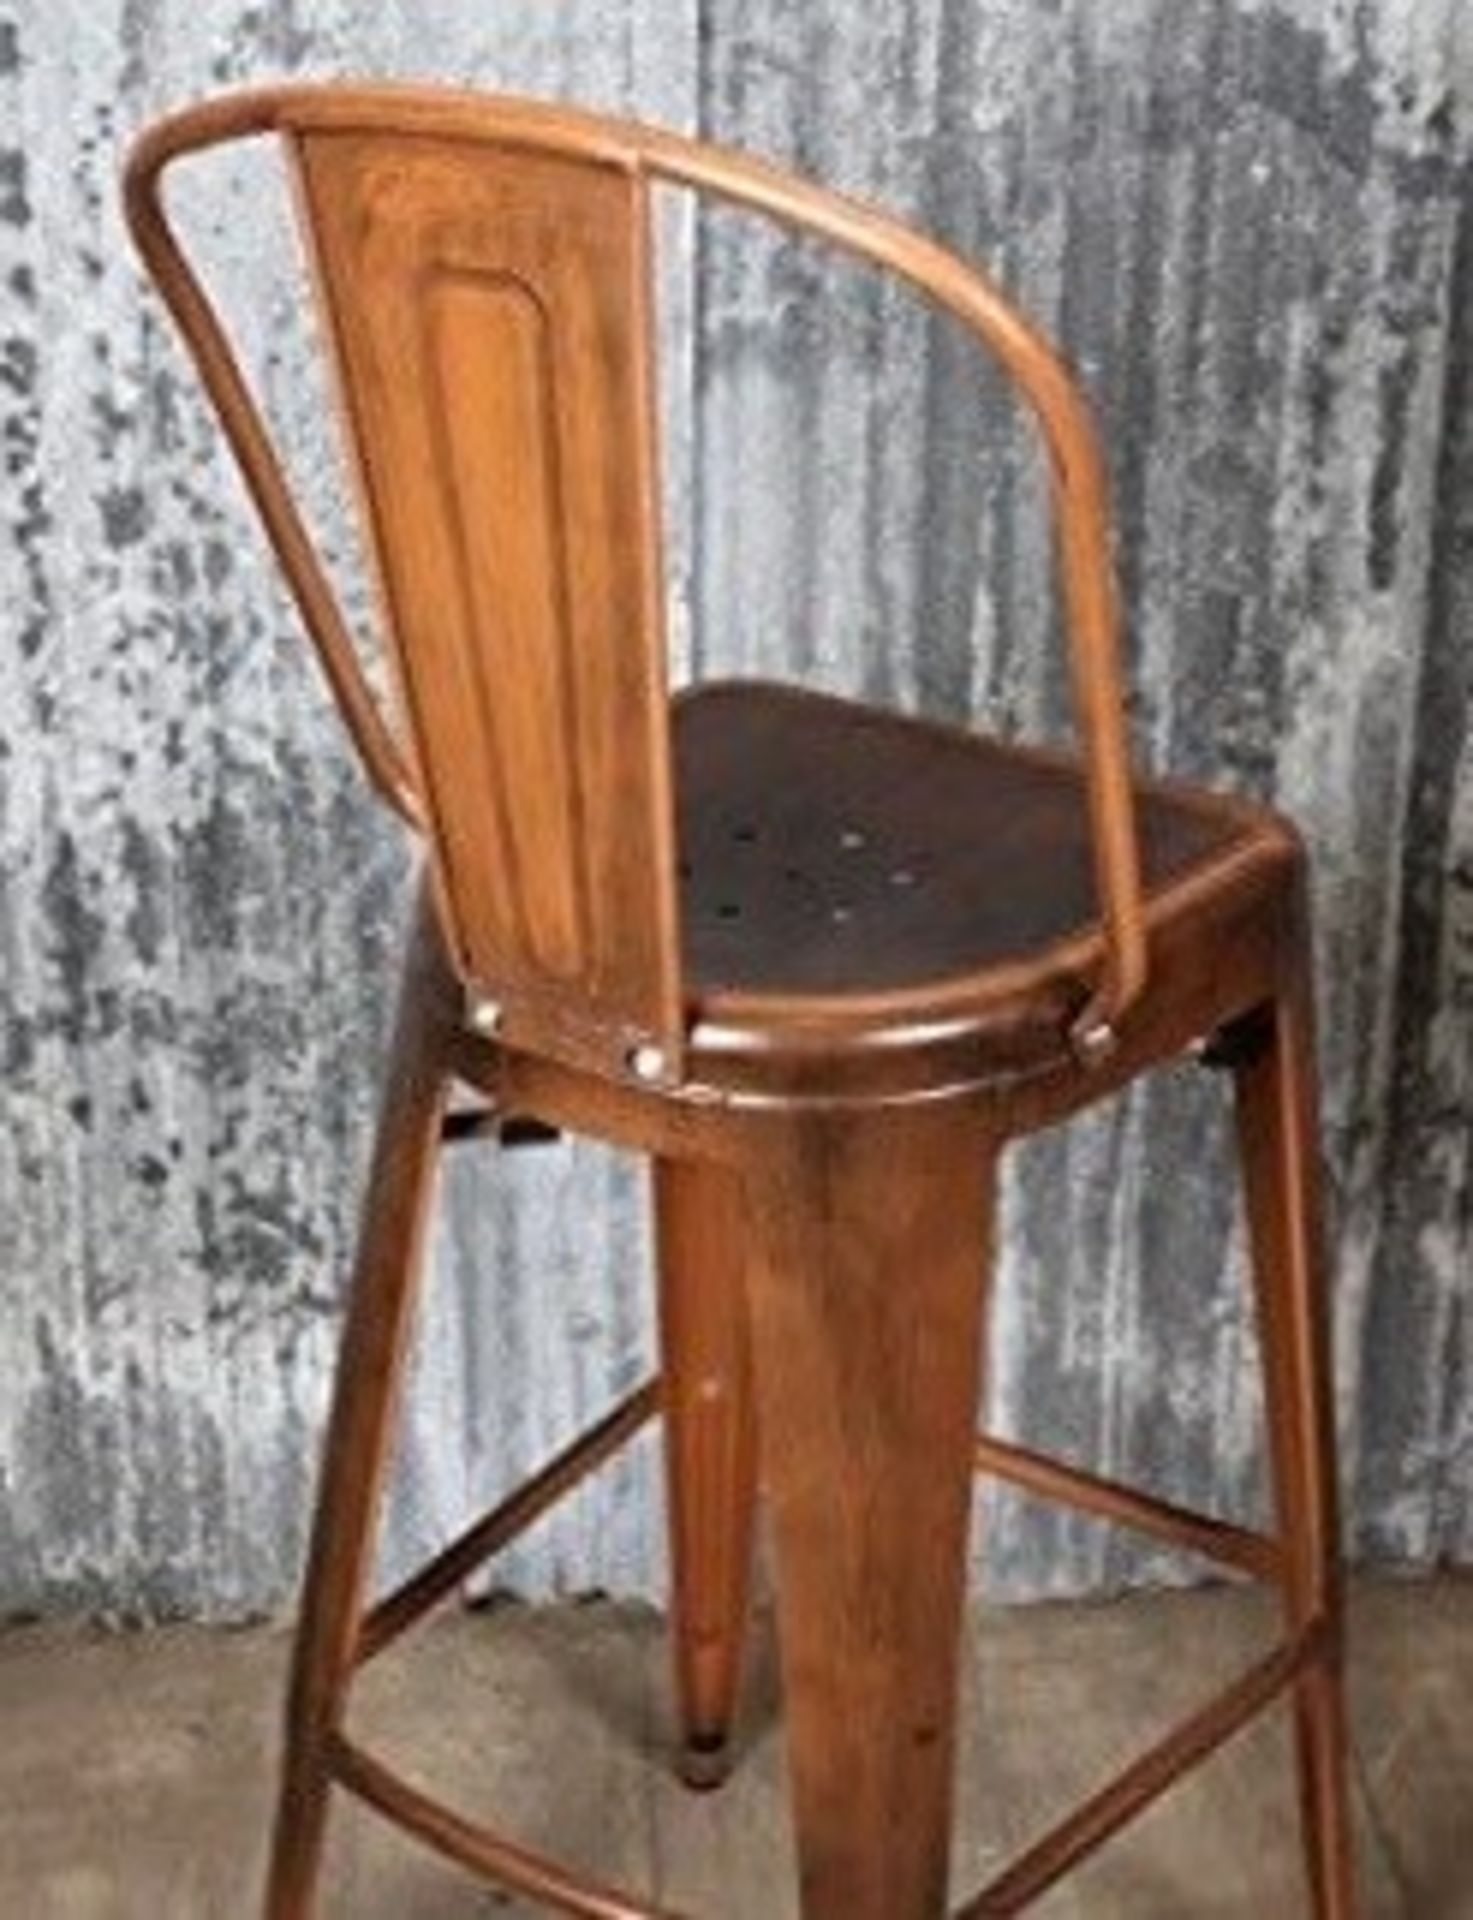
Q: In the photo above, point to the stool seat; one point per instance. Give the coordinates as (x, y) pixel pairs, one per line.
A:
(833, 848)
(866, 893)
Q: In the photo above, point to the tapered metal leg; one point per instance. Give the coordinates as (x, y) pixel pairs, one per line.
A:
(1279, 1135)
(369, 1375)
(710, 1449)
(870, 1238)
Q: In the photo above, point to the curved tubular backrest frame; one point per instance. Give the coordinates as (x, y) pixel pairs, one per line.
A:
(1076, 468)
(200, 325)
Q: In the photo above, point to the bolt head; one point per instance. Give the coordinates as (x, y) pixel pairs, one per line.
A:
(484, 1017)
(647, 1062)
(1096, 1044)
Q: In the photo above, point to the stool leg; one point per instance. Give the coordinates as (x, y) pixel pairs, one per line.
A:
(1279, 1137)
(870, 1243)
(369, 1372)
(710, 1448)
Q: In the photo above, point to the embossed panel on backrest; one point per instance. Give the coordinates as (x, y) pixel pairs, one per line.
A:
(490, 311)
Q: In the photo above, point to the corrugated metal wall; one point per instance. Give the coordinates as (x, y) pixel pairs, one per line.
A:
(1250, 223)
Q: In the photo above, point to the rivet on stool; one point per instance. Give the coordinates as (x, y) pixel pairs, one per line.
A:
(483, 1016)
(647, 1062)
(1095, 1044)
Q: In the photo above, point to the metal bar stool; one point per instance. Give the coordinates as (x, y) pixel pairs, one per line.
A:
(818, 962)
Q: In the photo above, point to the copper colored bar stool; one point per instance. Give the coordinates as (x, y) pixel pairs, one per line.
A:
(818, 962)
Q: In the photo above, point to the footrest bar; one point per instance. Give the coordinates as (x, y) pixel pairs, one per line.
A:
(1252, 1553)
(447, 1570)
(508, 1866)
(1131, 1792)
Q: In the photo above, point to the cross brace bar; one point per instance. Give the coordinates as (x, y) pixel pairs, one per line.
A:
(489, 1535)
(519, 1870)
(514, 1868)
(1252, 1553)
(1132, 1791)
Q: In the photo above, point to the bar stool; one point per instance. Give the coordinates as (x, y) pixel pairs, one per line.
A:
(817, 961)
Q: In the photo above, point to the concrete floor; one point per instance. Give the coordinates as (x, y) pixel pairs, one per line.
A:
(135, 1772)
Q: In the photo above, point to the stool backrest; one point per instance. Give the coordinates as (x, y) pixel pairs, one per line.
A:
(485, 273)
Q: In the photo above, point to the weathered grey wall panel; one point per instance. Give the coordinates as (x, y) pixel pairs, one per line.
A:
(200, 907)
(1250, 224)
